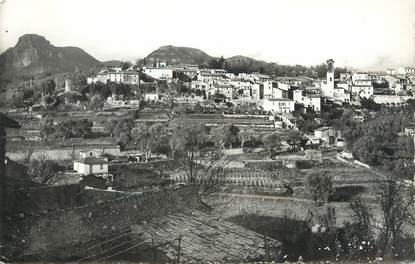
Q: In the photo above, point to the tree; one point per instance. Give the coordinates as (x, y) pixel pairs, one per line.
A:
(370, 104)
(294, 138)
(246, 135)
(125, 65)
(221, 135)
(217, 63)
(73, 128)
(234, 136)
(96, 102)
(358, 234)
(47, 128)
(395, 201)
(42, 170)
(48, 86)
(177, 141)
(327, 234)
(147, 136)
(320, 187)
(78, 79)
(198, 166)
(362, 218)
(271, 141)
(203, 169)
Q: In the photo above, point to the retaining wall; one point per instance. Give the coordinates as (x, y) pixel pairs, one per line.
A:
(63, 153)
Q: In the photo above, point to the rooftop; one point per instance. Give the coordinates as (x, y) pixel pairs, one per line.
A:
(203, 238)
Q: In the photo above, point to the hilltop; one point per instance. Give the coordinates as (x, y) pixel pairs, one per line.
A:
(34, 54)
(178, 55)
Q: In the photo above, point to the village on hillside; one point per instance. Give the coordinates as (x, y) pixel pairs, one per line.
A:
(311, 155)
(302, 151)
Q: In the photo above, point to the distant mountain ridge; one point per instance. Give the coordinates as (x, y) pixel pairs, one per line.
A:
(34, 54)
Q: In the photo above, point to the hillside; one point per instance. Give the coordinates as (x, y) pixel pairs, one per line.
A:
(178, 55)
(34, 55)
(105, 65)
(185, 55)
(240, 63)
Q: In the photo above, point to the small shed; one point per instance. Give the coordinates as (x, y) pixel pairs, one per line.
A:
(91, 165)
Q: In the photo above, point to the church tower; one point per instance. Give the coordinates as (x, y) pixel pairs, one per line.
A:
(330, 74)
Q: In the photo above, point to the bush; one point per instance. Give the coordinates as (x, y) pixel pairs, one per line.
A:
(320, 187)
(345, 193)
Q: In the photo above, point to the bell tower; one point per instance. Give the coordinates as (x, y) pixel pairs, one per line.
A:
(330, 74)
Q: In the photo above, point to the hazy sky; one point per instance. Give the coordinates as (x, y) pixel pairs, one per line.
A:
(359, 33)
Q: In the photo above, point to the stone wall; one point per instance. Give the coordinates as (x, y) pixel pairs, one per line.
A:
(160, 165)
(64, 153)
(63, 229)
(227, 206)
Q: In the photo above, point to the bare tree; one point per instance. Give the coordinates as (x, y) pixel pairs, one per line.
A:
(200, 167)
(42, 170)
(27, 157)
(221, 135)
(177, 141)
(362, 218)
(147, 137)
(359, 232)
(73, 155)
(395, 201)
(246, 135)
(203, 169)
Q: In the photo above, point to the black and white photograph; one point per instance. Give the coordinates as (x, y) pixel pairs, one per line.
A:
(207, 131)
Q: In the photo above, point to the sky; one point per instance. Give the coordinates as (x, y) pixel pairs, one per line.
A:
(366, 34)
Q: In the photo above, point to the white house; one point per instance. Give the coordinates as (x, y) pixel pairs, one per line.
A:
(162, 73)
(151, 97)
(308, 100)
(199, 85)
(275, 90)
(226, 90)
(91, 165)
(243, 87)
(406, 70)
(278, 105)
(341, 94)
(115, 100)
(117, 76)
(357, 76)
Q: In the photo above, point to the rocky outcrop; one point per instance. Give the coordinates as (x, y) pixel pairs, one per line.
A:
(34, 54)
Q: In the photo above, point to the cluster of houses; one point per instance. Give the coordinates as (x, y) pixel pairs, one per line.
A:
(272, 94)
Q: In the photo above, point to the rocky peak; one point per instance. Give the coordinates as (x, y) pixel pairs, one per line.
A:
(32, 41)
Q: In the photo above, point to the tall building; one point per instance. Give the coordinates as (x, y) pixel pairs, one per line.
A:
(327, 86)
(330, 73)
